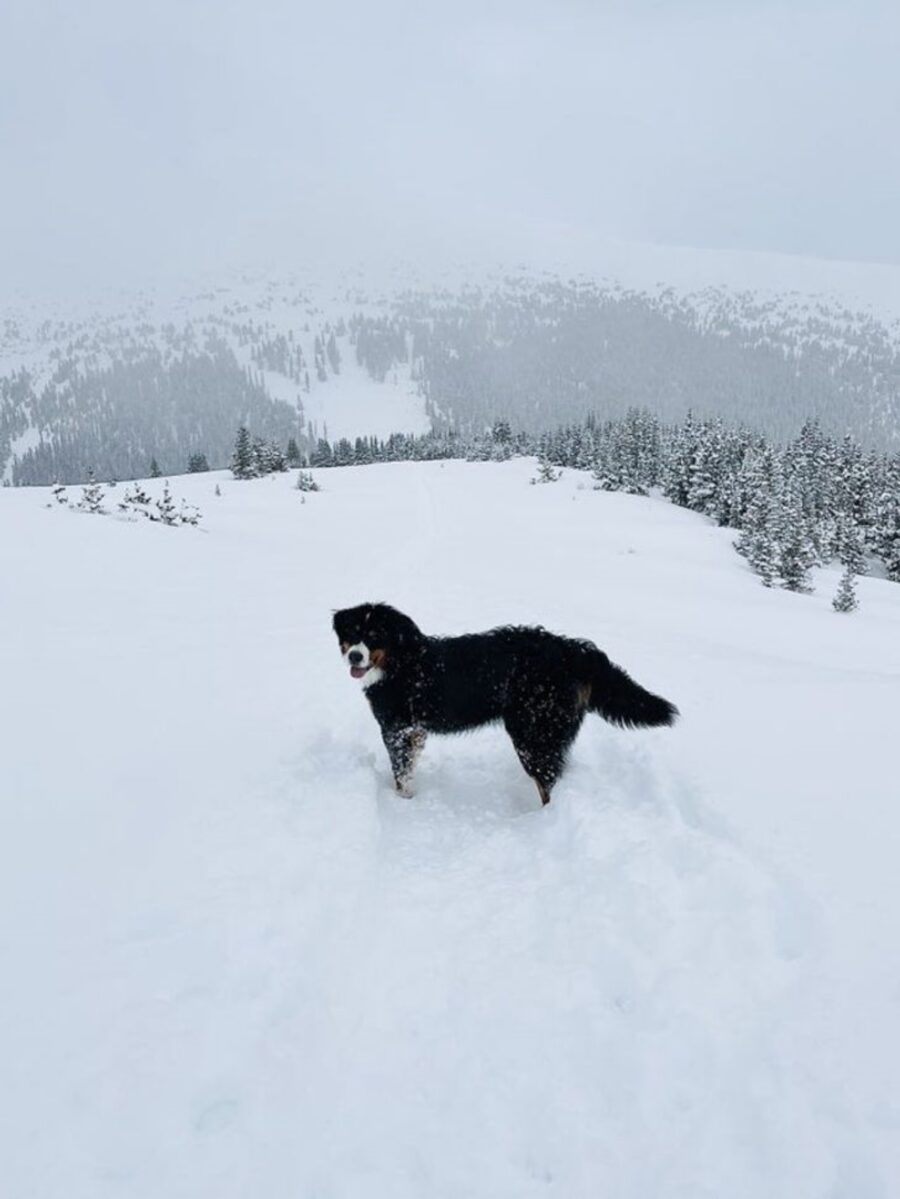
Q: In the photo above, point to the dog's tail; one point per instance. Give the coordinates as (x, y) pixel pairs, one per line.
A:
(616, 697)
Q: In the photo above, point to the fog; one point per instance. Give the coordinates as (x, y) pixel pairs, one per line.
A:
(170, 138)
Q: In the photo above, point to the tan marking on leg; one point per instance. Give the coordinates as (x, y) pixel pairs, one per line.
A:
(416, 745)
(543, 792)
(583, 694)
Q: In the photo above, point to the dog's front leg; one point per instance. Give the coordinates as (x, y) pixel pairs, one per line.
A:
(404, 746)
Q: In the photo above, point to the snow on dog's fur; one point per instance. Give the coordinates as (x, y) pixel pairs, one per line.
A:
(538, 683)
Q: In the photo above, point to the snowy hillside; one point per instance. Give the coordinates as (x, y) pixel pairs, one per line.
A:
(113, 385)
(236, 964)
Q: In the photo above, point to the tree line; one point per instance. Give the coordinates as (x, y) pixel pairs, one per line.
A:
(812, 500)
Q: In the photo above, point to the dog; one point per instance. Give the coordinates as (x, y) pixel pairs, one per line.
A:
(539, 684)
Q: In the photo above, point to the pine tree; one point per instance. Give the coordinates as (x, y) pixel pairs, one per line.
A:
(188, 514)
(679, 462)
(92, 496)
(886, 534)
(796, 550)
(848, 544)
(166, 508)
(135, 500)
(705, 469)
(242, 460)
(197, 464)
(547, 473)
(845, 598)
(306, 482)
(758, 541)
(155, 472)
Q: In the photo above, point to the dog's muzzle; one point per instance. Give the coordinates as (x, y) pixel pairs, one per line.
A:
(358, 666)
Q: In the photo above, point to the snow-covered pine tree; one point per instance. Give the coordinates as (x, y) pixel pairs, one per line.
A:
(242, 460)
(275, 458)
(547, 472)
(796, 548)
(705, 469)
(305, 481)
(92, 496)
(848, 544)
(165, 508)
(362, 452)
(643, 438)
(676, 472)
(188, 514)
(322, 454)
(501, 441)
(845, 598)
(886, 533)
(758, 538)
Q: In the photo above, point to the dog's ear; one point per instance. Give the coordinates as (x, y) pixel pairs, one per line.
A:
(404, 631)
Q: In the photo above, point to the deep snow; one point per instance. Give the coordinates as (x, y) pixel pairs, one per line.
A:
(234, 963)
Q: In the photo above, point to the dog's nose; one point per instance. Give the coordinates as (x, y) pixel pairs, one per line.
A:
(354, 657)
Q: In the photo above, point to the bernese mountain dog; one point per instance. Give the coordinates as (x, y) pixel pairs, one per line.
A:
(538, 683)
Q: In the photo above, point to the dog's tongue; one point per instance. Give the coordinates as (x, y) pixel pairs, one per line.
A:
(358, 671)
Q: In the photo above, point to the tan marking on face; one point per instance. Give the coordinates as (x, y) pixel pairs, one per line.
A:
(377, 657)
(345, 645)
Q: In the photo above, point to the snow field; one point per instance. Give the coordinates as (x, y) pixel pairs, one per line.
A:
(237, 964)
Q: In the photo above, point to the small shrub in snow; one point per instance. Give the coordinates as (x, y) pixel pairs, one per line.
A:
(165, 508)
(188, 514)
(92, 496)
(305, 481)
(137, 502)
(547, 472)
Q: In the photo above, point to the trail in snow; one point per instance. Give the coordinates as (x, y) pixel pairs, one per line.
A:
(238, 964)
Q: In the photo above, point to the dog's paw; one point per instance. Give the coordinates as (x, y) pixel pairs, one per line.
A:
(405, 790)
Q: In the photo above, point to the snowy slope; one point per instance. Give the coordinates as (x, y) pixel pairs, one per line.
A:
(641, 326)
(236, 964)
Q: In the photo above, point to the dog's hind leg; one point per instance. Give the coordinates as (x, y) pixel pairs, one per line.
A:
(404, 746)
(542, 728)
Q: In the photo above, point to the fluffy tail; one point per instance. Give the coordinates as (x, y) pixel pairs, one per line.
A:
(619, 699)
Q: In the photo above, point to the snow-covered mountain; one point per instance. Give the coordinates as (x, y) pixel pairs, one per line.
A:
(164, 376)
(234, 962)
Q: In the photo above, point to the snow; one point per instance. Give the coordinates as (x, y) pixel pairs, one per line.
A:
(235, 963)
(352, 404)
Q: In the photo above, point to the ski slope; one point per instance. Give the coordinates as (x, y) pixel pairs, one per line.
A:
(236, 964)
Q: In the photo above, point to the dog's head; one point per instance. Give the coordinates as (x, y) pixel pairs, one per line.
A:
(373, 639)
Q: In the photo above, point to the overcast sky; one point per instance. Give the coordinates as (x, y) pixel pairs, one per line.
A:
(179, 136)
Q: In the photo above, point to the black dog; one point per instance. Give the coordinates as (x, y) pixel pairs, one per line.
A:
(539, 684)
